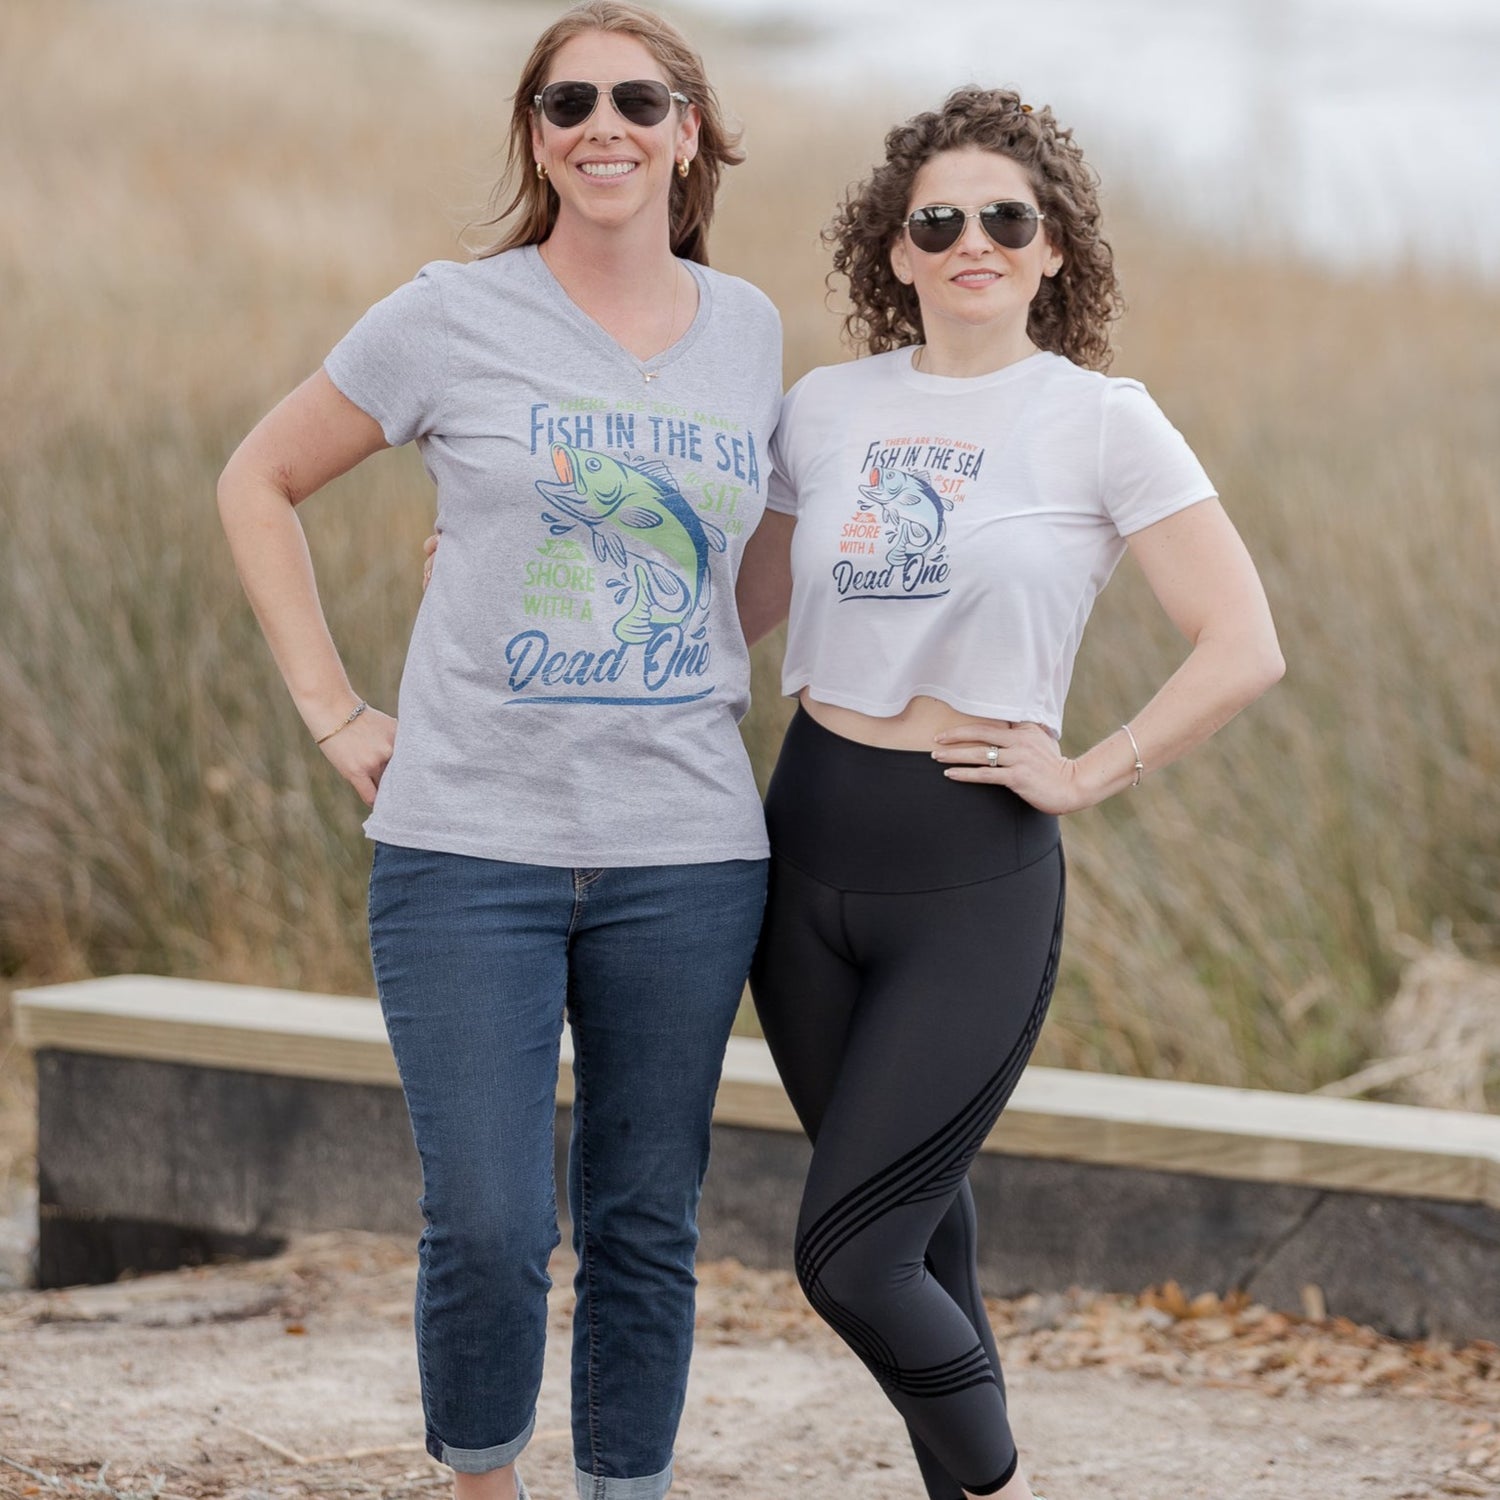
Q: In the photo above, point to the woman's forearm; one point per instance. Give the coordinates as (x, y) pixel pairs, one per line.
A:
(1219, 677)
(312, 436)
(764, 588)
(275, 567)
(1203, 577)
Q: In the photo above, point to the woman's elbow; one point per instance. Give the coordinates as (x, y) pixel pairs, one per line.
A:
(245, 491)
(224, 492)
(234, 485)
(229, 494)
(1265, 665)
(1247, 662)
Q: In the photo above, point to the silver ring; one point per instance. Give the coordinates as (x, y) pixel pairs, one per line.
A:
(992, 755)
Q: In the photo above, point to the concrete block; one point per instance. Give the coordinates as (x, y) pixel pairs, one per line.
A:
(136, 1157)
(146, 1164)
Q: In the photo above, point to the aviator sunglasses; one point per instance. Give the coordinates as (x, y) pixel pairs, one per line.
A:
(1009, 223)
(641, 101)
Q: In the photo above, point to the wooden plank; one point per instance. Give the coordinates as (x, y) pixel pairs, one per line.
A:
(750, 1092)
(1128, 1122)
(1357, 1163)
(1249, 1133)
(1241, 1133)
(211, 1026)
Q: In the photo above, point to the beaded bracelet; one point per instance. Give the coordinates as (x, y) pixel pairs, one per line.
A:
(1140, 769)
(354, 713)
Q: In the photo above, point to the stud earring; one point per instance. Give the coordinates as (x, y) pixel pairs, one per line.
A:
(541, 171)
(682, 167)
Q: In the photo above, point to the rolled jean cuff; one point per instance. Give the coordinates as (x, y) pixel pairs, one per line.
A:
(482, 1460)
(602, 1487)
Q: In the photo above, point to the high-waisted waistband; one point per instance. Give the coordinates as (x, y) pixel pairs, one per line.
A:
(862, 818)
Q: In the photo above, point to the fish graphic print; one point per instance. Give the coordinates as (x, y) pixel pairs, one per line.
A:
(638, 520)
(897, 540)
(911, 510)
(635, 628)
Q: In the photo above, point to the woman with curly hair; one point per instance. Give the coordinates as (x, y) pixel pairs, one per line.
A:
(959, 497)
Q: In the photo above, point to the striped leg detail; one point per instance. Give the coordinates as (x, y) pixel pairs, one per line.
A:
(934, 1168)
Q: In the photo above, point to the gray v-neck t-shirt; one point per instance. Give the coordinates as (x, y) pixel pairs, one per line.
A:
(576, 673)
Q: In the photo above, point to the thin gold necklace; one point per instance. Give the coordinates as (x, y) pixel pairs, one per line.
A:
(649, 375)
(677, 273)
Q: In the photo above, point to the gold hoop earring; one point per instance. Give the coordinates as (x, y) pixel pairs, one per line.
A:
(541, 171)
(682, 167)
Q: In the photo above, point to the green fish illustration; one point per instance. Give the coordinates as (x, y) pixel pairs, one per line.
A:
(639, 520)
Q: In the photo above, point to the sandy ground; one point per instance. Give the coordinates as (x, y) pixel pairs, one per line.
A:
(295, 1377)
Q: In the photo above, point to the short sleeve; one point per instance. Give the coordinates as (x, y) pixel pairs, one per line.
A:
(393, 362)
(781, 492)
(1146, 469)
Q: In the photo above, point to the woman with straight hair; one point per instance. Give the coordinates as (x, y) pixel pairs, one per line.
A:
(565, 822)
(942, 515)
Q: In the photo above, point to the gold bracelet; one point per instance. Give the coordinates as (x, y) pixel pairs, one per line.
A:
(1140, 769)
(354, 713)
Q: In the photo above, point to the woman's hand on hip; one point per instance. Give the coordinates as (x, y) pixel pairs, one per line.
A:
(429, 551)
(1021, 756)
(360, 751)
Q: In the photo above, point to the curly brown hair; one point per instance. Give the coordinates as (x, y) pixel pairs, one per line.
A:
(533, 204)
(1072, 310)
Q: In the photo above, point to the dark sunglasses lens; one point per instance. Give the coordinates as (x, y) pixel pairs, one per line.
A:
(568, 104)
(642, 101)
(1011, 225)
(936, 228)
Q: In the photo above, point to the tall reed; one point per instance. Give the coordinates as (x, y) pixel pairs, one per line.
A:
(191, 214)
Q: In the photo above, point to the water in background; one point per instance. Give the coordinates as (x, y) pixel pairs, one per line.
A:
(1365, 132)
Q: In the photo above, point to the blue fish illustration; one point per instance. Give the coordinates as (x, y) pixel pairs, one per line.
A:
(910, 506)
(639, 520)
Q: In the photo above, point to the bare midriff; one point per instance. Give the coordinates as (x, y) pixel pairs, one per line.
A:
(912, 729)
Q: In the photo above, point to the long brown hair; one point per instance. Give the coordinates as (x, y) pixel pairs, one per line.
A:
(1072, 310)
(533, 204)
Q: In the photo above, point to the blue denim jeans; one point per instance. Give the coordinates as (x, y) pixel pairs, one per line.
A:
(478, 962)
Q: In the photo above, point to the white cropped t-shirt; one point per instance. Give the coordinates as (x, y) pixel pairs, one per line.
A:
(953, 534)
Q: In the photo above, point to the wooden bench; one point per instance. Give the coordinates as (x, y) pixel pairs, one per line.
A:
(179, 1119)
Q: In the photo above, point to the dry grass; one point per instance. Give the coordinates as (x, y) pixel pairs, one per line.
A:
(1440, 1036)
(193, 208)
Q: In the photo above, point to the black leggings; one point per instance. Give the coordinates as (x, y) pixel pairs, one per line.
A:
(908, 953)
